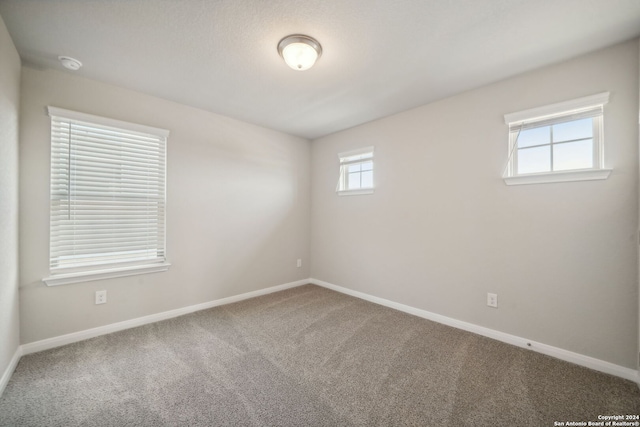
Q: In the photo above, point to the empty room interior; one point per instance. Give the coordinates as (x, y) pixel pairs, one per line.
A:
(308, 213)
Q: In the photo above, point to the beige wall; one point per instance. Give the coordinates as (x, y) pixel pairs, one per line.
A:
(442, 228)
(237, 215)
(9, 107)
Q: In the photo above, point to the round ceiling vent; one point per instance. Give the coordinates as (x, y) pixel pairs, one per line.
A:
(70, 63)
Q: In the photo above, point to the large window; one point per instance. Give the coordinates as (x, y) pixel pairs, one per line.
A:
(107, 214)
(356, 172)
(559, 142)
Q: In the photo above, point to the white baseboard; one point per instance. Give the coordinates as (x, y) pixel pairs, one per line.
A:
(558, 353)
(49, 343)
(6, 375)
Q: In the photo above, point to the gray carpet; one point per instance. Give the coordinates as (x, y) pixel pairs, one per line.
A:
(307, 356)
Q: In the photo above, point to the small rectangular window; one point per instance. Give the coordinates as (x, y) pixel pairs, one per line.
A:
(107, 198)
(559, 142)
(356, 172)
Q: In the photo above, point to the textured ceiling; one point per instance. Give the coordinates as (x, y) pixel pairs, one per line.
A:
(379, 57)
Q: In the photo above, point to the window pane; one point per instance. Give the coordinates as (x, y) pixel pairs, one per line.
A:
(534, 160)
(536, 136)
(354, 168)
(367, 166)
(353, 181)
(367, 179)
(576, 129)
(573, 155)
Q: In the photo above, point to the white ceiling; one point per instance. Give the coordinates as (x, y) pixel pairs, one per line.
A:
(379, 56)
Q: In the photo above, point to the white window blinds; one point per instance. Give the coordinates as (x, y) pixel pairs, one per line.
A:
(107, 193)
(592, 112)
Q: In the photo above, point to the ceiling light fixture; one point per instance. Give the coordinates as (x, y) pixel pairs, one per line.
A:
(299, 52)
(70, 63)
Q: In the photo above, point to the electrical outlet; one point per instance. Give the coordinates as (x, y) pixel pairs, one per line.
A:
(299, 264)
(101, 297)
(492, 300)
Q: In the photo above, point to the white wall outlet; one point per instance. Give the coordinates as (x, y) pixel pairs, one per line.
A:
(299, 264)
(492, 300)
(101, 297)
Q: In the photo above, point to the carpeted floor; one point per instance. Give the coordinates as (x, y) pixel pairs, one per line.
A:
(307, 356)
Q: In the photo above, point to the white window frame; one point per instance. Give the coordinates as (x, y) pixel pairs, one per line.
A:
(343, 185)
(559, 113)
(97, 271)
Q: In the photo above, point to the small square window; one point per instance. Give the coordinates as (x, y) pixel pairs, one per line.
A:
(356, 172)
(559, 142)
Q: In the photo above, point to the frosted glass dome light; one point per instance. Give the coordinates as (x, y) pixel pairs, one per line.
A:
(299, 52)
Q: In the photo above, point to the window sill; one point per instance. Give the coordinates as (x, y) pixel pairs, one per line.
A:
(87, 276)
(355, 192)
(568, 176)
